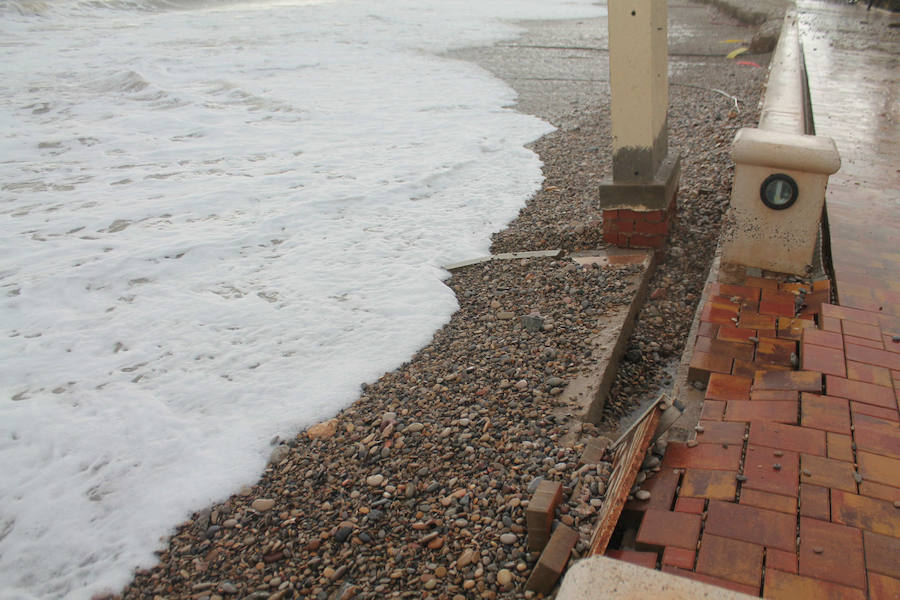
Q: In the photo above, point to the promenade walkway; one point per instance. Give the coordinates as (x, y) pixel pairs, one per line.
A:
(791, 487)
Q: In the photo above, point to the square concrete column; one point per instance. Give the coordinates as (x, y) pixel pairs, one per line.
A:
(639, 202)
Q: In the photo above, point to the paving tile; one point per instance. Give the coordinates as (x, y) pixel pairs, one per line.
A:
(780, 585)
(552, 561)
(728, 387)
(859, 371)
(801, 381)
(730, 333)
(814, 502)
(774, 351)
(792, 329)
(825, 412)
(882, 553)
(788, 437)
(779, 307)
(827, 472)
(821, 285)
(717, 314)
(661, 528)
(708, 483)
(708, 329)
(767, 472)
(691, 505)
(831, 324)
(745, 368)
(882, 587)
(862, 330)
(679, 557)
(827, 339)
(850, 314)
(832, 552)
(703, 456)
(880, 469)
(720, 432)
(730, 559)
(740, 291)
(880, 491)
(860, 391)
(858, 408)
(642, 559)
(863, 512)
(763, 283)
(849, 339)
(889, 343)
(751, 524)
(704, 363)
(839, 446)
(761, 410)
(774, 395)
(716, 581)
(821, 358)
(781, 560)
(778, 293)
(724, 303)
(716, 346)
(662, 491)
(712, 410)
(753, 320)
(769, 501)
(878, 439)
(873, 356)
(539, 515)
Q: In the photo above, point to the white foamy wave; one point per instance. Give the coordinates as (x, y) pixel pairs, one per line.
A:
(217, 222)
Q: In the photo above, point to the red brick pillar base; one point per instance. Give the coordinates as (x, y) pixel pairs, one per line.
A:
(627, 228)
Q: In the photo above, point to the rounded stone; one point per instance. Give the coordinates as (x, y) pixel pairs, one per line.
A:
(508, 538)
(375, 480)
(262, 504)
(504, 577)
(642, 495)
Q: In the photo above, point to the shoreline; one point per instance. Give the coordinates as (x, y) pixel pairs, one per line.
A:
(417, 488)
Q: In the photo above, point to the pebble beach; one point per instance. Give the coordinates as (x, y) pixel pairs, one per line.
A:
(418, 489)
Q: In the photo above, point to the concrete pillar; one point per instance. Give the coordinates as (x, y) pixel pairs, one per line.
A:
(645, 173)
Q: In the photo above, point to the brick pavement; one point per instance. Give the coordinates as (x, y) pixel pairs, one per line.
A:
(791, 487)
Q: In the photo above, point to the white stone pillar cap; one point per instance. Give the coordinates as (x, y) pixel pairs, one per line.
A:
(788, 151)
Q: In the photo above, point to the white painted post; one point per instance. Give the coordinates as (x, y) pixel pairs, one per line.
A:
(645, 174)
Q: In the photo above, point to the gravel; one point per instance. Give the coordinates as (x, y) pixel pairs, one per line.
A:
(419, 488)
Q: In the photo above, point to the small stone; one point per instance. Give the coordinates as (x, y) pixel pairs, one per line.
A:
(755, 340)
(777, 466)
(896, 503)
(226, 587)
(506, 315)
(896, 339)
(778, 453)
(691, 443)
(532, 322)
(504, 577)
(415, 427)
(741, 477)
(465, 559)
(807, 473)
(322, 431)
(642, 495)
(343, 533)
(440, 571)
(818, 549)
(230, 523)
(262, 504)
(375, 480)
(857, 477)
(699, 428)
(508, 538)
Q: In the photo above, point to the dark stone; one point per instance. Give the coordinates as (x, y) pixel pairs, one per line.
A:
(343, 533)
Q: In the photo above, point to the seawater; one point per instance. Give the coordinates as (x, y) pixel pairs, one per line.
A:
(217, 219)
